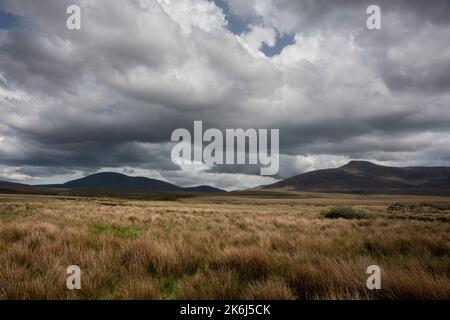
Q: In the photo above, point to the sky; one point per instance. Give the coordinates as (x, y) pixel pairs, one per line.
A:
(107, 97)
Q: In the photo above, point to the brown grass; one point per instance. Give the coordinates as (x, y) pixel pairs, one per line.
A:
(224, 247)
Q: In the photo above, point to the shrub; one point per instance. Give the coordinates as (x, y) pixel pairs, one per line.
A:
(344, 213)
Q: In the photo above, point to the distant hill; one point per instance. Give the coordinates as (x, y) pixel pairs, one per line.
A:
(11, 184)
(112, 180)
(202, 189)
(367, 176)
(116, 181)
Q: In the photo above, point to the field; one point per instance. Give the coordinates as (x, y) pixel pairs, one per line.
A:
(231, 246)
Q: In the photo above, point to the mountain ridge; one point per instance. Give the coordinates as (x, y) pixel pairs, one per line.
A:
(365, 175)
(355, 176)
(117, 181)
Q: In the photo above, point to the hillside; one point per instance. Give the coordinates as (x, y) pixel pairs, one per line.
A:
(364, 175)
(113, 181)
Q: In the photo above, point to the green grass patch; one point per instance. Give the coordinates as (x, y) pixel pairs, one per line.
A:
(344, 213)
(127, 232)
(168, 287)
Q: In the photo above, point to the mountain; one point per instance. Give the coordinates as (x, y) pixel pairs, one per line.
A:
(202, 189)
(112, 180)
(367, 176)
(118, 181)
(11, 184)
(115, 181)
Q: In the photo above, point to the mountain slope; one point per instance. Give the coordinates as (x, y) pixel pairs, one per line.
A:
(364, 175)
(11, 184)
(202, 189)
(112, 180)
(118, 181)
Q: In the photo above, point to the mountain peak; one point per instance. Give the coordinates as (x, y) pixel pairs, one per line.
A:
(119, 181)
(108, 174)
(365, 175)
(359, 164)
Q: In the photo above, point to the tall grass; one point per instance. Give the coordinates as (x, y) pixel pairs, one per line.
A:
(218, 248)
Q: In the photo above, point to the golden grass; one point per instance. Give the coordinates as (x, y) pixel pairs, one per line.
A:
(224, 247)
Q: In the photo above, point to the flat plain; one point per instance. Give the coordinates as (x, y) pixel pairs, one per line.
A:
(249, 245)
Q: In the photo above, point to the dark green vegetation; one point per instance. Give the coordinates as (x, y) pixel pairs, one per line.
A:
(345, 213)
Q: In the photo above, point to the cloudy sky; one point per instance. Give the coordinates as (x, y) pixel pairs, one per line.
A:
(108, 96)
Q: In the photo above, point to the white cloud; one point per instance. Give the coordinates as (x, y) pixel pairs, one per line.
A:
(14, 174)
(194, 13)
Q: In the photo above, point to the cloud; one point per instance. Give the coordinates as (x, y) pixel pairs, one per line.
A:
(256, 37)
(109, 95)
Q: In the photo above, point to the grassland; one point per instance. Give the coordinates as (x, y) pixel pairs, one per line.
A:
(234, 246)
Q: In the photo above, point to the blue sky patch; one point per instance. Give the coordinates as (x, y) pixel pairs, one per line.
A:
(8, 20)
(239, 24)
(236, 23)
(282, 41)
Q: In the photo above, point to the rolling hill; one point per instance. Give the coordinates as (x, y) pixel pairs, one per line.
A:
(115, 181)
(367, 176)
(11, 184)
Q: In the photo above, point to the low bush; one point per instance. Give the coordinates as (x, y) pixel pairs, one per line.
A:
(344, 213)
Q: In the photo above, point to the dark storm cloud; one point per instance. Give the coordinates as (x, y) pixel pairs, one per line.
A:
(91, 154)
(110, 94)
